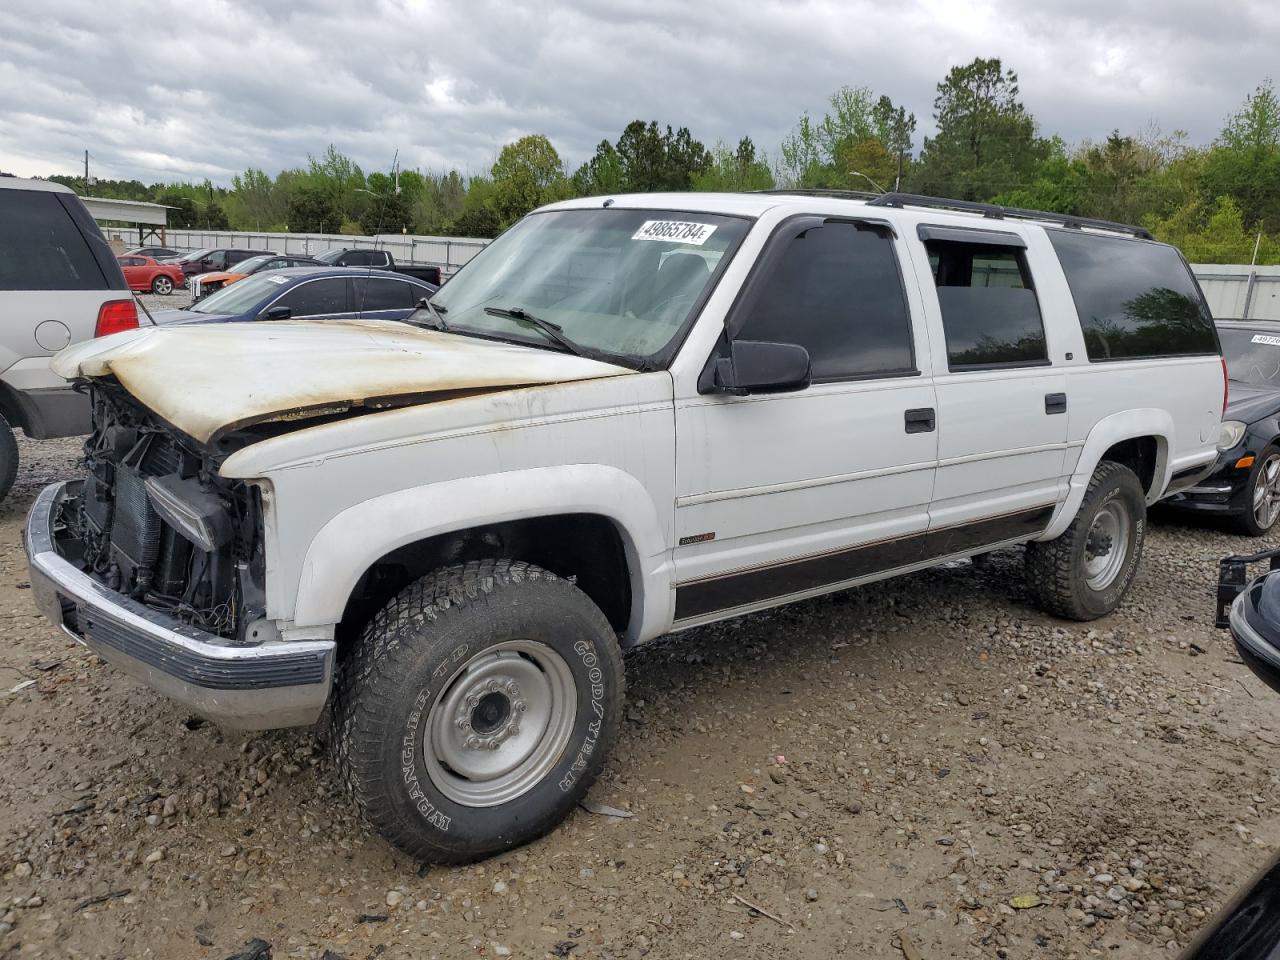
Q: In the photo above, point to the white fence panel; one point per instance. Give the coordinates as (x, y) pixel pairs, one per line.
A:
(1239, 290)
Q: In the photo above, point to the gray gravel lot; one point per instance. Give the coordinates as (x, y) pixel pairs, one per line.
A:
(928, 759)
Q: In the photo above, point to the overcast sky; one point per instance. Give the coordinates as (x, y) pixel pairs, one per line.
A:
(206, 88)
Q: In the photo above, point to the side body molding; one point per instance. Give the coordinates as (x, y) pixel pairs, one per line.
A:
(1127, 425)
(349, 543)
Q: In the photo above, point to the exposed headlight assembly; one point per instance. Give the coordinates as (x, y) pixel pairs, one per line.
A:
(194, 512)
(1231, 433)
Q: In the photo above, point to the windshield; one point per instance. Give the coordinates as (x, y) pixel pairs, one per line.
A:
(330, 256)
(253, 263)
(195, 255)
(617, 282)
(1253, 355)
(243, 296)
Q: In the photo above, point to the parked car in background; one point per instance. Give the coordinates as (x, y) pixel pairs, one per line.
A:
(203, 284)
(629, 419)
(150, 275)
(1245, 484)
(307, 292)
(160, 253)
(215, 258)
(59, 284)
(379, 260)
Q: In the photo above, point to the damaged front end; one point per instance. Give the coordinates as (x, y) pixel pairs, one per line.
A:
(156, 563)
(156, 523)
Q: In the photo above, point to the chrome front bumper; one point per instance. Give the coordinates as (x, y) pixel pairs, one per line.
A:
(247, 687)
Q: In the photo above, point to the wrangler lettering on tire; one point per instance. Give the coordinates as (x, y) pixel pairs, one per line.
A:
(477, 709)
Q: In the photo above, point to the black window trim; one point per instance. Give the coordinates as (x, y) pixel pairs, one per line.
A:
(976, 235)
(1028, 283)
(773, 250)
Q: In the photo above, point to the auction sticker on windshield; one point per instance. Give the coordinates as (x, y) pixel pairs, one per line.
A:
(1270, 341)
(675, 231)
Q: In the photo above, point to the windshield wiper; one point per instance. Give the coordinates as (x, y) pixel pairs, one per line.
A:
(553, 330)
(431, 308)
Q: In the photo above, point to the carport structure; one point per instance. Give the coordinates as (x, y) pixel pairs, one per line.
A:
(148, 219)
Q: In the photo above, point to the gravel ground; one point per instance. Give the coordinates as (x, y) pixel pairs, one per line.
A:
(924, 763)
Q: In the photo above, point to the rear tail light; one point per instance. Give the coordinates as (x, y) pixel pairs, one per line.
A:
(116, 315)
(1225, 386)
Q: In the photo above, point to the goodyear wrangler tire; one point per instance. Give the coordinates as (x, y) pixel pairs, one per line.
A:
(1085, 572)
(477, 709)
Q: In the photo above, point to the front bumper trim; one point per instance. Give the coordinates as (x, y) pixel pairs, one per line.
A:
(248, 687)
(1259, 654)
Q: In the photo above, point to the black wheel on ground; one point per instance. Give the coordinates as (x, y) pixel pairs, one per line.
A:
(1261, 495)
(1085, 573)
(477, 709)
(8, 457)
(162, 285)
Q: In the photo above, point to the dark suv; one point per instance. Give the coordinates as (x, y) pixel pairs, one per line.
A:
(222, 258)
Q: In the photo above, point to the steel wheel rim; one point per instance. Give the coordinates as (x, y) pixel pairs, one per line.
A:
(164, 286)
(500, 724)
(1107, 545)
(1266, 493)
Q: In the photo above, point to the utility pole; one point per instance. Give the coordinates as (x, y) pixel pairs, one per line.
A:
(86, 169)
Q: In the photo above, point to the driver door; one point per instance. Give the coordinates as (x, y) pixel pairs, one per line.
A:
(785, 495)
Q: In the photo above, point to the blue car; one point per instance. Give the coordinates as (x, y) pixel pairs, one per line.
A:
(307, 292)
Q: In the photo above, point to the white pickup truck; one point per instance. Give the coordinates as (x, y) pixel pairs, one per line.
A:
(625, 417)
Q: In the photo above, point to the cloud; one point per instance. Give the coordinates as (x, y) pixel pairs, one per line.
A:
(163, 91)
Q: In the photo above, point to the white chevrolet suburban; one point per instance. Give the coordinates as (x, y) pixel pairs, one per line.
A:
(627, 416)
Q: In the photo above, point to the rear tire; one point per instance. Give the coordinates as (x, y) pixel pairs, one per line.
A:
(1085, 572)
(477, 709)
(8, 458)
(1261, 496)
(162, 285)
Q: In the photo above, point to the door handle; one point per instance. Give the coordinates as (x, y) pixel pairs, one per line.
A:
(1055, 403)
(921, 420)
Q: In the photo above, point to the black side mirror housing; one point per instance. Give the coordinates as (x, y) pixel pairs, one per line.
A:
(278, 313)
(760, 366)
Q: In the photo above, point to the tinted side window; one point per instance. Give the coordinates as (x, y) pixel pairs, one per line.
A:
(377, 293)
(355, 258)
(41, 247)
(316, 297)
(837, 292)
(1135, 298)
(989, 310)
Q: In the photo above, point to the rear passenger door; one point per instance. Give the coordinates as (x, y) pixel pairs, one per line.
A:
(1002, 404)
(382, 297)
(781, 495)
(316, 298)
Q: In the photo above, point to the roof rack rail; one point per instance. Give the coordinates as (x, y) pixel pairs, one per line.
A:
(994, 211)
(833, 192)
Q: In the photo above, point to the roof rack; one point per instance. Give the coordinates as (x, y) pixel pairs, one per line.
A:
(833, 192)
(994, 211)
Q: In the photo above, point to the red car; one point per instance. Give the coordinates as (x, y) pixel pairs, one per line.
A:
(148, 273)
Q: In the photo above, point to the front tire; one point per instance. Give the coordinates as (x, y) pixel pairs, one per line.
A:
(1261, 495)
(162, 285)
(1085, 572)
(477, 709)
(8, 458)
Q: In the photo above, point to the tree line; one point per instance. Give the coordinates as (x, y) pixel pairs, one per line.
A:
(1219, 202)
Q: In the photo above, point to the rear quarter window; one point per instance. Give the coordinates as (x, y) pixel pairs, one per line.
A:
(1136, 299)
(41, 248)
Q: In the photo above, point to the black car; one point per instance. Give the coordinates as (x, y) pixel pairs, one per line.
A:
(1245, 483)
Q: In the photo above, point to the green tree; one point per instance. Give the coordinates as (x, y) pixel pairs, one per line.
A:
(479, 216)
(652, 160)
(861, 137)
(1214, 233)
(735, 170)
(1244, 162)
(312, 209)
(986, 141)
(527, 174)
(600, 175)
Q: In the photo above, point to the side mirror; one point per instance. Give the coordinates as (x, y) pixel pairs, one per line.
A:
(278, 313)
(759, 366)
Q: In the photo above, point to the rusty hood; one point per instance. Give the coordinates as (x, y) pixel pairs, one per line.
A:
(208, 379)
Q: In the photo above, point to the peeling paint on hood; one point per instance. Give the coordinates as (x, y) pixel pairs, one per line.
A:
(209, 379)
